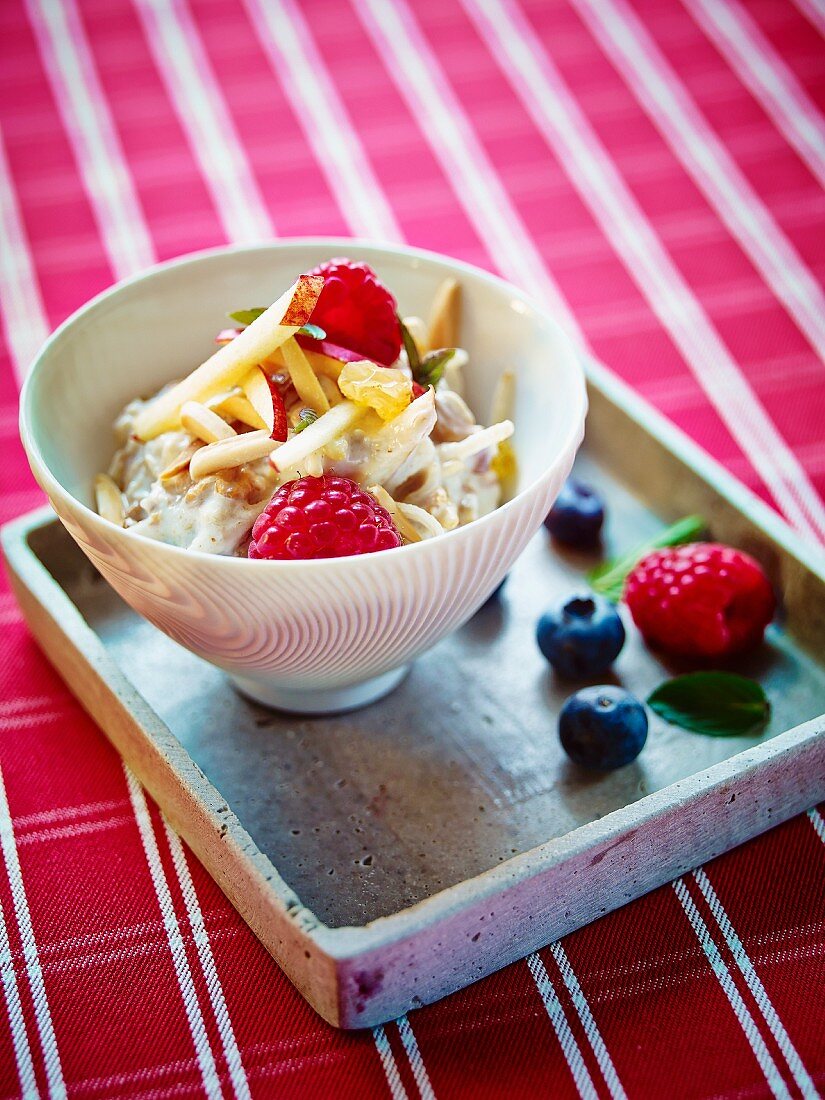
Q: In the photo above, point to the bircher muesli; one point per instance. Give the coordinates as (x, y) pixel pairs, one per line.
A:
(323, 425)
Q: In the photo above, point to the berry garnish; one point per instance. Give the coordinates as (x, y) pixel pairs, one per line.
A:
(577, 516)
(322, 517)
(581, 637)
(603, 727)
(700, 600)
(357, 311)
(609, 578)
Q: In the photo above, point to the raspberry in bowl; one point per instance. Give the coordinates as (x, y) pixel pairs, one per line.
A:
(322, 517)
(315, 632)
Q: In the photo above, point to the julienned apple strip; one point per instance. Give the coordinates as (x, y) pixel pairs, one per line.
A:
(257, 391)
(303, 378)
(326, 429)
(230, 363)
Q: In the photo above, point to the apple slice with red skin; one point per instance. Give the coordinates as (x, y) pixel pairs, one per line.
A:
(228, 365)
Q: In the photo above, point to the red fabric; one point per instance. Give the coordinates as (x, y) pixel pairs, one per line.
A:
(138, 130)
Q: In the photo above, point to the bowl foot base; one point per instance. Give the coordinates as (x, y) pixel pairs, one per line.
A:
(279, 696)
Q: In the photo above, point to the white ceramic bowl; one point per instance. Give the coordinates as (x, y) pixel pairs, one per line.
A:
(313, 636)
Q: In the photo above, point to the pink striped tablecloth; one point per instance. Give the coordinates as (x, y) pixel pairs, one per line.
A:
(653, 170)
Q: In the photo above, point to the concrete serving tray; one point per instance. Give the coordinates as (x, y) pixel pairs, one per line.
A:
(389, 857)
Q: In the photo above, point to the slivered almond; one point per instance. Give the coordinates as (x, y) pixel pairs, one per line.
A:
(504, 398)
(227, 453)
(234, 360)
(204, 423)
(179, 464)
(108, 500)
(442, 331)
(303, 378)
(408, 518)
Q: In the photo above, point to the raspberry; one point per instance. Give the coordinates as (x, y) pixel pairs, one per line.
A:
(322, 517)
(700, 600)
(357, 311)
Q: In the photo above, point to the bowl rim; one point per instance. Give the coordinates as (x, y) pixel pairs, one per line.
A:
(336, 246)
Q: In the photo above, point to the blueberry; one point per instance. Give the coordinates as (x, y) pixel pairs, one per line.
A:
(577, 516)
(603, 727)
(581, 637)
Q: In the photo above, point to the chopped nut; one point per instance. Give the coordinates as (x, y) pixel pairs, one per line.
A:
(203, 423)
(442, 331)
(227, 453)
(108, 500)
(180, 464)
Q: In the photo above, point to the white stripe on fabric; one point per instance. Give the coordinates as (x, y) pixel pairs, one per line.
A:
(422, 1078)
(769, 80)
(42, 1013)
(657, 87)
(591, 1028)
(382, 1045)
(197, 1027)
(559, 118)
(25, 703)
(297, 63)
(814, 10)
(195, 94)
(21, 304)
(818, 823)
(567, 1041)
(443, 121)
(88, 124)
(17, 1023)
(232, 1054)
(66, 813)
(740, 1009)
(11, 614)
(760, 995)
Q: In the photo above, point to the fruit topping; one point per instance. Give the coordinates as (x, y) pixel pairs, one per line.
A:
(577, 516)
(357, 311)
(701, 600)
(386, 390)
(322, 517)
(603, 727)
(581, 637)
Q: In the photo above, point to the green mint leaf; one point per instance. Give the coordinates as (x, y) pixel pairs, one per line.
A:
(719, 704)
(431, 367)
(315, 331)
(305, 418)
(246, 316)
(410, 348)
(608, 579)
